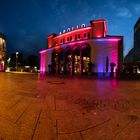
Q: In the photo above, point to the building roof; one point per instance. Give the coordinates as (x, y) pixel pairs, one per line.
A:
(138, 21)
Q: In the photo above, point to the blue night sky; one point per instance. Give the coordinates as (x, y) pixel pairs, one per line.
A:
(27, 23)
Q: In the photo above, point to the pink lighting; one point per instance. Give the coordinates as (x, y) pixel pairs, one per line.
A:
(43, 61)
(108, 39)
(44, 51)
(101, 46)
(2, 66)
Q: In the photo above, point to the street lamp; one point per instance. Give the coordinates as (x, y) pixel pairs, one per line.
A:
(8, 61)
(17, 60)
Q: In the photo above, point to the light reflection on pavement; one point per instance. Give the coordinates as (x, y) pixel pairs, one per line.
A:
(58, 108)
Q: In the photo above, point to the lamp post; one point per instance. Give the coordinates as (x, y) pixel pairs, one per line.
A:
(17, 60)
(8, 61)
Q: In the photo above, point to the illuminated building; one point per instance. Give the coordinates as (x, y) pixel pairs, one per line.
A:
(2, 52)
(83, 50)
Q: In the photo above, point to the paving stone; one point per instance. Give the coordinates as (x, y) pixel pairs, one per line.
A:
(56, 108)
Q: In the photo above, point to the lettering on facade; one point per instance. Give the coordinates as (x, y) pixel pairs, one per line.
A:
(72, 28)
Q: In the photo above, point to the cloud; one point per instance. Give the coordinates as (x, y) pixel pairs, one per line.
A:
(124, 12)
(110, 5)
(137, 7)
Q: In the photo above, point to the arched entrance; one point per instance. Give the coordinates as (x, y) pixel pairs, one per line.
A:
(85, 59)
(68, 58)
(76, 60)
(58, 61)
(61, 62)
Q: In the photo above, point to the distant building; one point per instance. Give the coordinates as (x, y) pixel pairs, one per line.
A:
(137, 41)
(132, 59)
(83, 50)
(2, 51)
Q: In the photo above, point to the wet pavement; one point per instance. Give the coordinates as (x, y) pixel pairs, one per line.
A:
(57, 108)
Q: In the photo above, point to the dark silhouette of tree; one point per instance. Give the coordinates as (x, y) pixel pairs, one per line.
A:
(32, 61)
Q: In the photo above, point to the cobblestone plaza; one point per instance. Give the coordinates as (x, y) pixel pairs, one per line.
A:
(70, 108)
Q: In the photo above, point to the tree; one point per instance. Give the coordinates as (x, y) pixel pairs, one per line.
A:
(32, 60)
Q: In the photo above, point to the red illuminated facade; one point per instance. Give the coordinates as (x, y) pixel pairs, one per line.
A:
(83, 50)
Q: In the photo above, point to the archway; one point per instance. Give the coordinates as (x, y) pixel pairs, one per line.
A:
(76, 60)
(68, 58)
(57, 61)
(61, 62)
(86, 62)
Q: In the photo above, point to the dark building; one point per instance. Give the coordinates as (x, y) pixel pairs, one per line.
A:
(137, 41)
(132, 59)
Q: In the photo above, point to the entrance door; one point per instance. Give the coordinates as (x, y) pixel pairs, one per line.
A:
(76, 61)
(54, 62)
(68, 61)
(61, 62)
(86, 64)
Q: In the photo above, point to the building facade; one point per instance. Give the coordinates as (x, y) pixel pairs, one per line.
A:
(137, 41)
(2, 52)
(83, 50)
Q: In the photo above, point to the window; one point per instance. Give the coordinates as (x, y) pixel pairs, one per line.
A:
(79, 36)
(63, 40)
(75, 37)
(70, 38)
(88, 35)
(85, 35)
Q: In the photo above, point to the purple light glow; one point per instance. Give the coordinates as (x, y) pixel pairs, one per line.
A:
(108, 39)
(43, 51)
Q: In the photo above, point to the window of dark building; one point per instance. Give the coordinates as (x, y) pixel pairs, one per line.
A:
(61, 41)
